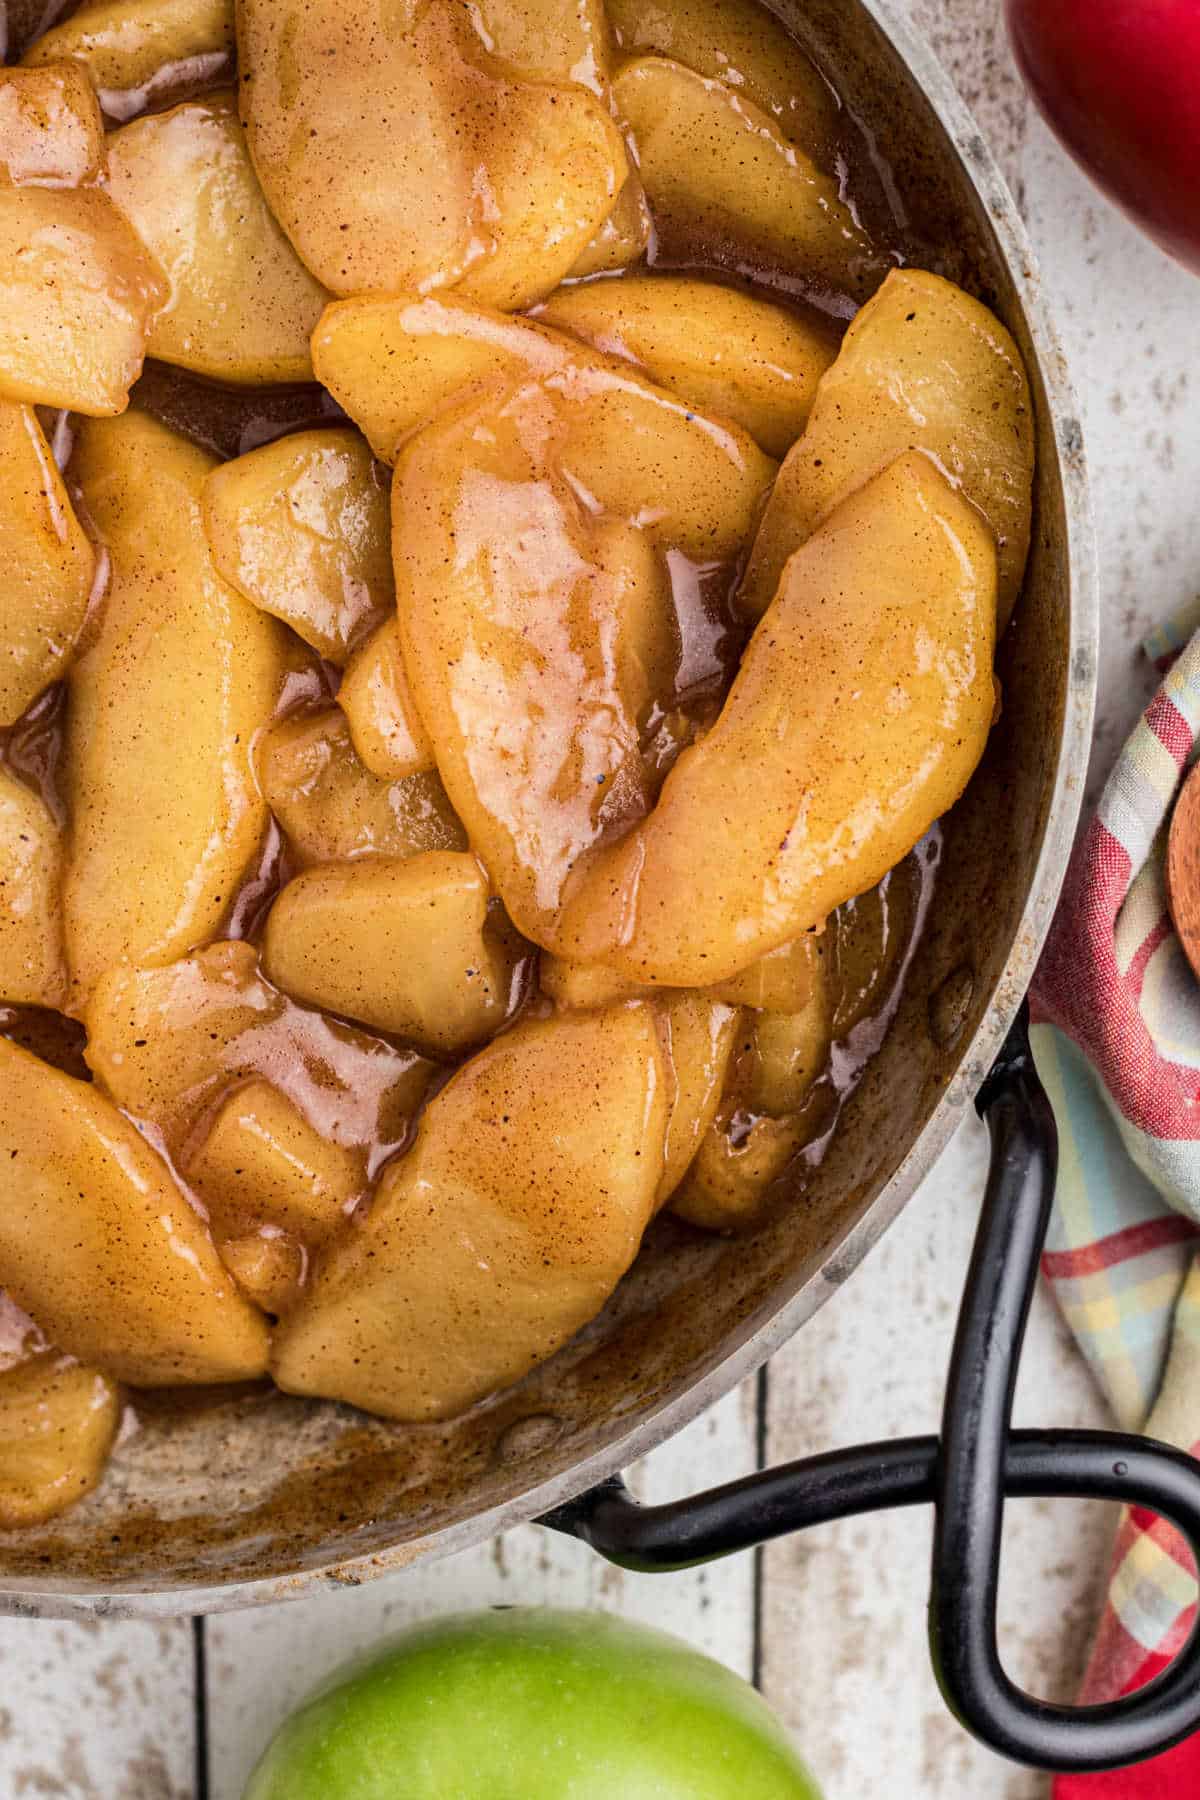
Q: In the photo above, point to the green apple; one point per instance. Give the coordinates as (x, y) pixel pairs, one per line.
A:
(526, 1704)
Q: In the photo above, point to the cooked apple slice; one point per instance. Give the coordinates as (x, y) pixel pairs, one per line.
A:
(726, 351)
(504, 1229)
(300, 527)
(787, 1052)
(782, 980)
(264, 1163)
(623, 238)
(168, 1044)
(332, 808)
(164, 709)
(241, 305)
(47, 565)
(744, 45)
(375, 696)
(577, 987)
(862, 706)
(268, 1266)
(33, 969)
(723, 181)
(398, 945)
(98, 1244)
(137, 51)
(924, 367)
(51, 134)
(550, 40)
(529, 534)
(733, 1176)
(78, 292)
(58, 1421)
(393, 361)
(699, 1035)
(396, 153)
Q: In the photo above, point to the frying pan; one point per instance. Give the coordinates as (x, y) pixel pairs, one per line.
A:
(246, 1497)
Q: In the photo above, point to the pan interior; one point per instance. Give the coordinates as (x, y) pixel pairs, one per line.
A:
(246, 1486)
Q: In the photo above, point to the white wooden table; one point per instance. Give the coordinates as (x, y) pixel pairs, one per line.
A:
(830, 1624)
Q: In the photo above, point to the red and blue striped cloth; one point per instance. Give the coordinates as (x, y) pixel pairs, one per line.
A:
(1116, 1038)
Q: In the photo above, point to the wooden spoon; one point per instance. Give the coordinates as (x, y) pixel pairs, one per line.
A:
(1183, 868)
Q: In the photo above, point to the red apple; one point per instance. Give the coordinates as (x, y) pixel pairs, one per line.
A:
(1119, 81)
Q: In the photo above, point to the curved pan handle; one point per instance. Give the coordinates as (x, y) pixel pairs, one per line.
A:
(965, 1474)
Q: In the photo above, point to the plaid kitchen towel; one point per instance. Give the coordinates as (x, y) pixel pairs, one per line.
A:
(1116, 1037)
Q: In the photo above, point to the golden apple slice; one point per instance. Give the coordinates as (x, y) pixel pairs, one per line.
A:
(300, 527)
(164, 709)
(529, 537)
(724, 183)
(98, 1244)
(744, 45)
(136, 51)
(623, 238)
(504, 1229)
(169, 1044)
(263, 1162)
(787, 1053)
(400, 945)
(862, 706)
(51, 134)
(332, 808)
(577, 987)
(782, 980)
(396, 153)
(924, 367)
(385, 727)
(550, 40)
(268, 1267)
(724, 350)
(58, 1421)
(700, 1035)
(241, 304)
(47, 565)
(394, 361)
(78, 293)
(732, 1179)
(33, 969)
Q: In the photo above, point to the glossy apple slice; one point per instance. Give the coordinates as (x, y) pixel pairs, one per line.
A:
(164, 709)
(924, 366)
(300, 527)
(99, 1245)
(51, 133)
(861, 708)
(33, 970)
(504, 1229)
(241, 306)
(529, 534)
(396, 153)
(725, 185)
(47, 565)
(730, 353)
(78, 294)
(400, 945)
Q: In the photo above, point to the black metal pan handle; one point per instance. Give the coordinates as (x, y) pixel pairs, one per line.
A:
(965, 1474)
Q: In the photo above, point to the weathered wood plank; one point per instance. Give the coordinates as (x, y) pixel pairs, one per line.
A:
(261, 1664)
(96, 1711)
